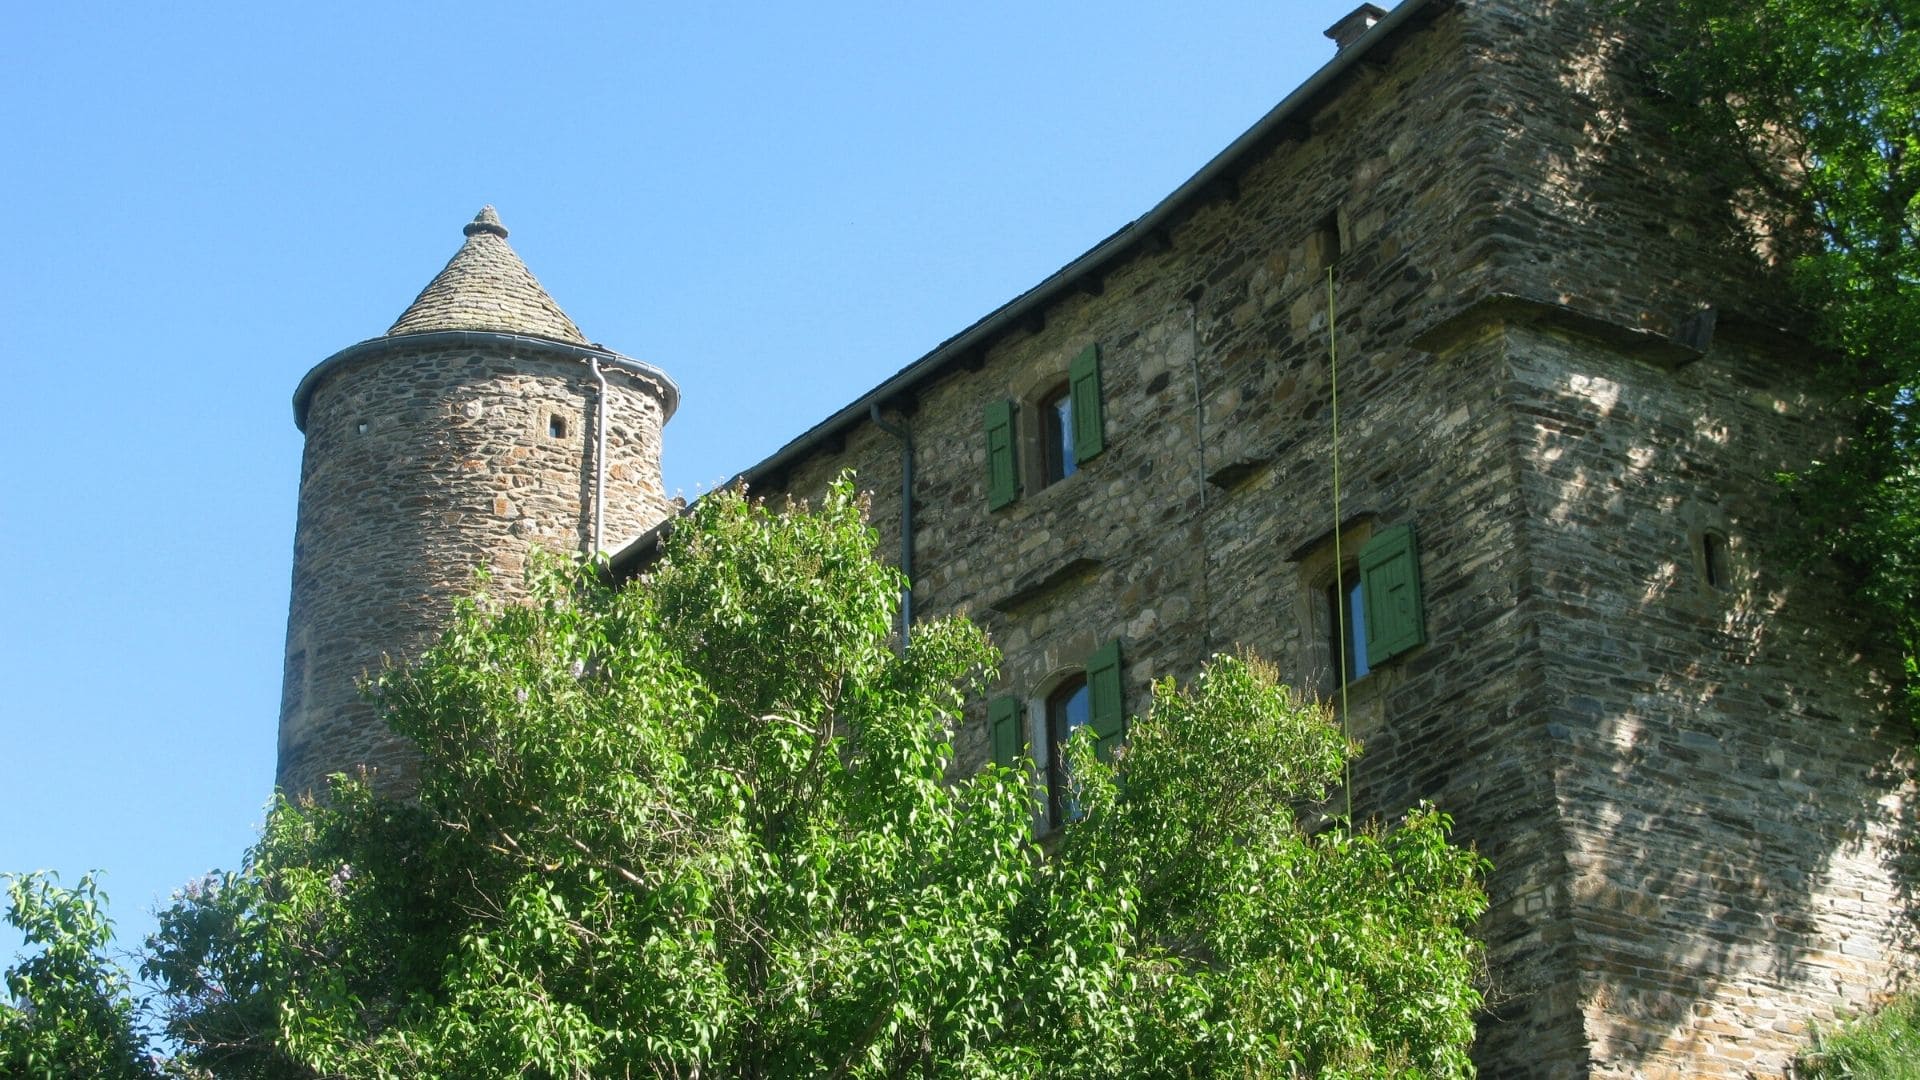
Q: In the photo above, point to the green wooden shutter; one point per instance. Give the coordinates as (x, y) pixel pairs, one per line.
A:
(1003, 475)
(1390, 589)
(1105, 711)
(1003, 724)
(1089, 422)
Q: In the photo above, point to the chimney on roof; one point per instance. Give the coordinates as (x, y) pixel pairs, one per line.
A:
(1348, 30)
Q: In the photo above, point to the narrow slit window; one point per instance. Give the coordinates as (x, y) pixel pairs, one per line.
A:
(1329, 239)
(1714, 564)
(557, 426)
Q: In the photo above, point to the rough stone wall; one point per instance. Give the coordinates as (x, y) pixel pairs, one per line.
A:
(1639, 759)
(1731, 813)
(1207, 523)
(1734, 807)
(422, 465)
(1592, 204)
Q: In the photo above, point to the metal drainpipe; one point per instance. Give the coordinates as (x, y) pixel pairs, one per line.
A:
(599, 458)
(905, 435)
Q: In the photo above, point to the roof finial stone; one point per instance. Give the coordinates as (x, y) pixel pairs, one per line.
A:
(486, 221)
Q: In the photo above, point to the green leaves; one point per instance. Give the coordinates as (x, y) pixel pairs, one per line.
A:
(1884, 1045)
(72, 1012)
(1816, 108)
(1219, 938)
(712, 824)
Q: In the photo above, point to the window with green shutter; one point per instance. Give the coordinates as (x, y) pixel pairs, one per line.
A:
(1045, 436)
(1390, 588)
(1003, 472)
(1089, 699)
(1089, 417)
(1003, 726)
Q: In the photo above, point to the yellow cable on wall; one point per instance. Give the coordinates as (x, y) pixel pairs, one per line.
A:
(1339, 586)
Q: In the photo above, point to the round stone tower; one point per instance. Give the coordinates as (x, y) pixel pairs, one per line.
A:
(481, 426)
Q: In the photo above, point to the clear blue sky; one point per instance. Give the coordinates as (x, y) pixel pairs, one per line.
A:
(778, 204)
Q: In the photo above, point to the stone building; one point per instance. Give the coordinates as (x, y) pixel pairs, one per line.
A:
(1563, 391)
(480, 425)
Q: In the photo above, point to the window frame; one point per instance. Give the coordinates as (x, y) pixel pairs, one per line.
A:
(1053, 442)
(1319, 656)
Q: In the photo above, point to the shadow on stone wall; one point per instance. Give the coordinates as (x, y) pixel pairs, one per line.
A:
(1737, 803)
(1731, 808)
(1734, 792)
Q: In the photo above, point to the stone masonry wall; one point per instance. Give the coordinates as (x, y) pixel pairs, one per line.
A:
(1732, 812)
(1592, 202)
(1639, 759)
(421, 466)
(1207, 523)
(1734, 806)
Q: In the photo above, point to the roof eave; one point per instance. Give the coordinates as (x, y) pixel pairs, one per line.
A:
(1111, 249)
(637, 553)
(434, 339)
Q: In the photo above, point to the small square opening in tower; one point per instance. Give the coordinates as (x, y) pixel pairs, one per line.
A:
(1329, 237)
(557, 426)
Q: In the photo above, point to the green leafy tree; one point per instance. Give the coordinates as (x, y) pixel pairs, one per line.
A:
(711, 826)
(1883, 1046)
(72, 1013)
(1818, 102)
(1190, 926)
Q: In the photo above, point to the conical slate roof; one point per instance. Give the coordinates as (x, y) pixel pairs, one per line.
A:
(485, 286)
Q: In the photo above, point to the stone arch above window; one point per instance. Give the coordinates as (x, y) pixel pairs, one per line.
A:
(1032, 730)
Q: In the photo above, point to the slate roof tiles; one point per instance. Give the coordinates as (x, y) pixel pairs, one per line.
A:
(485, 286)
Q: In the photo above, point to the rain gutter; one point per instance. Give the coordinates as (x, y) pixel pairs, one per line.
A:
(1292, 110)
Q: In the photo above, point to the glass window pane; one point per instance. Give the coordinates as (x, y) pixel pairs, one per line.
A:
(1356, 632)
(1062, 425)
(1067, 712)
(1354, 662)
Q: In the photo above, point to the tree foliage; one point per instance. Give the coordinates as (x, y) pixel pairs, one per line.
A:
(1817, 103)
(710, 826)
(72, 1011)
